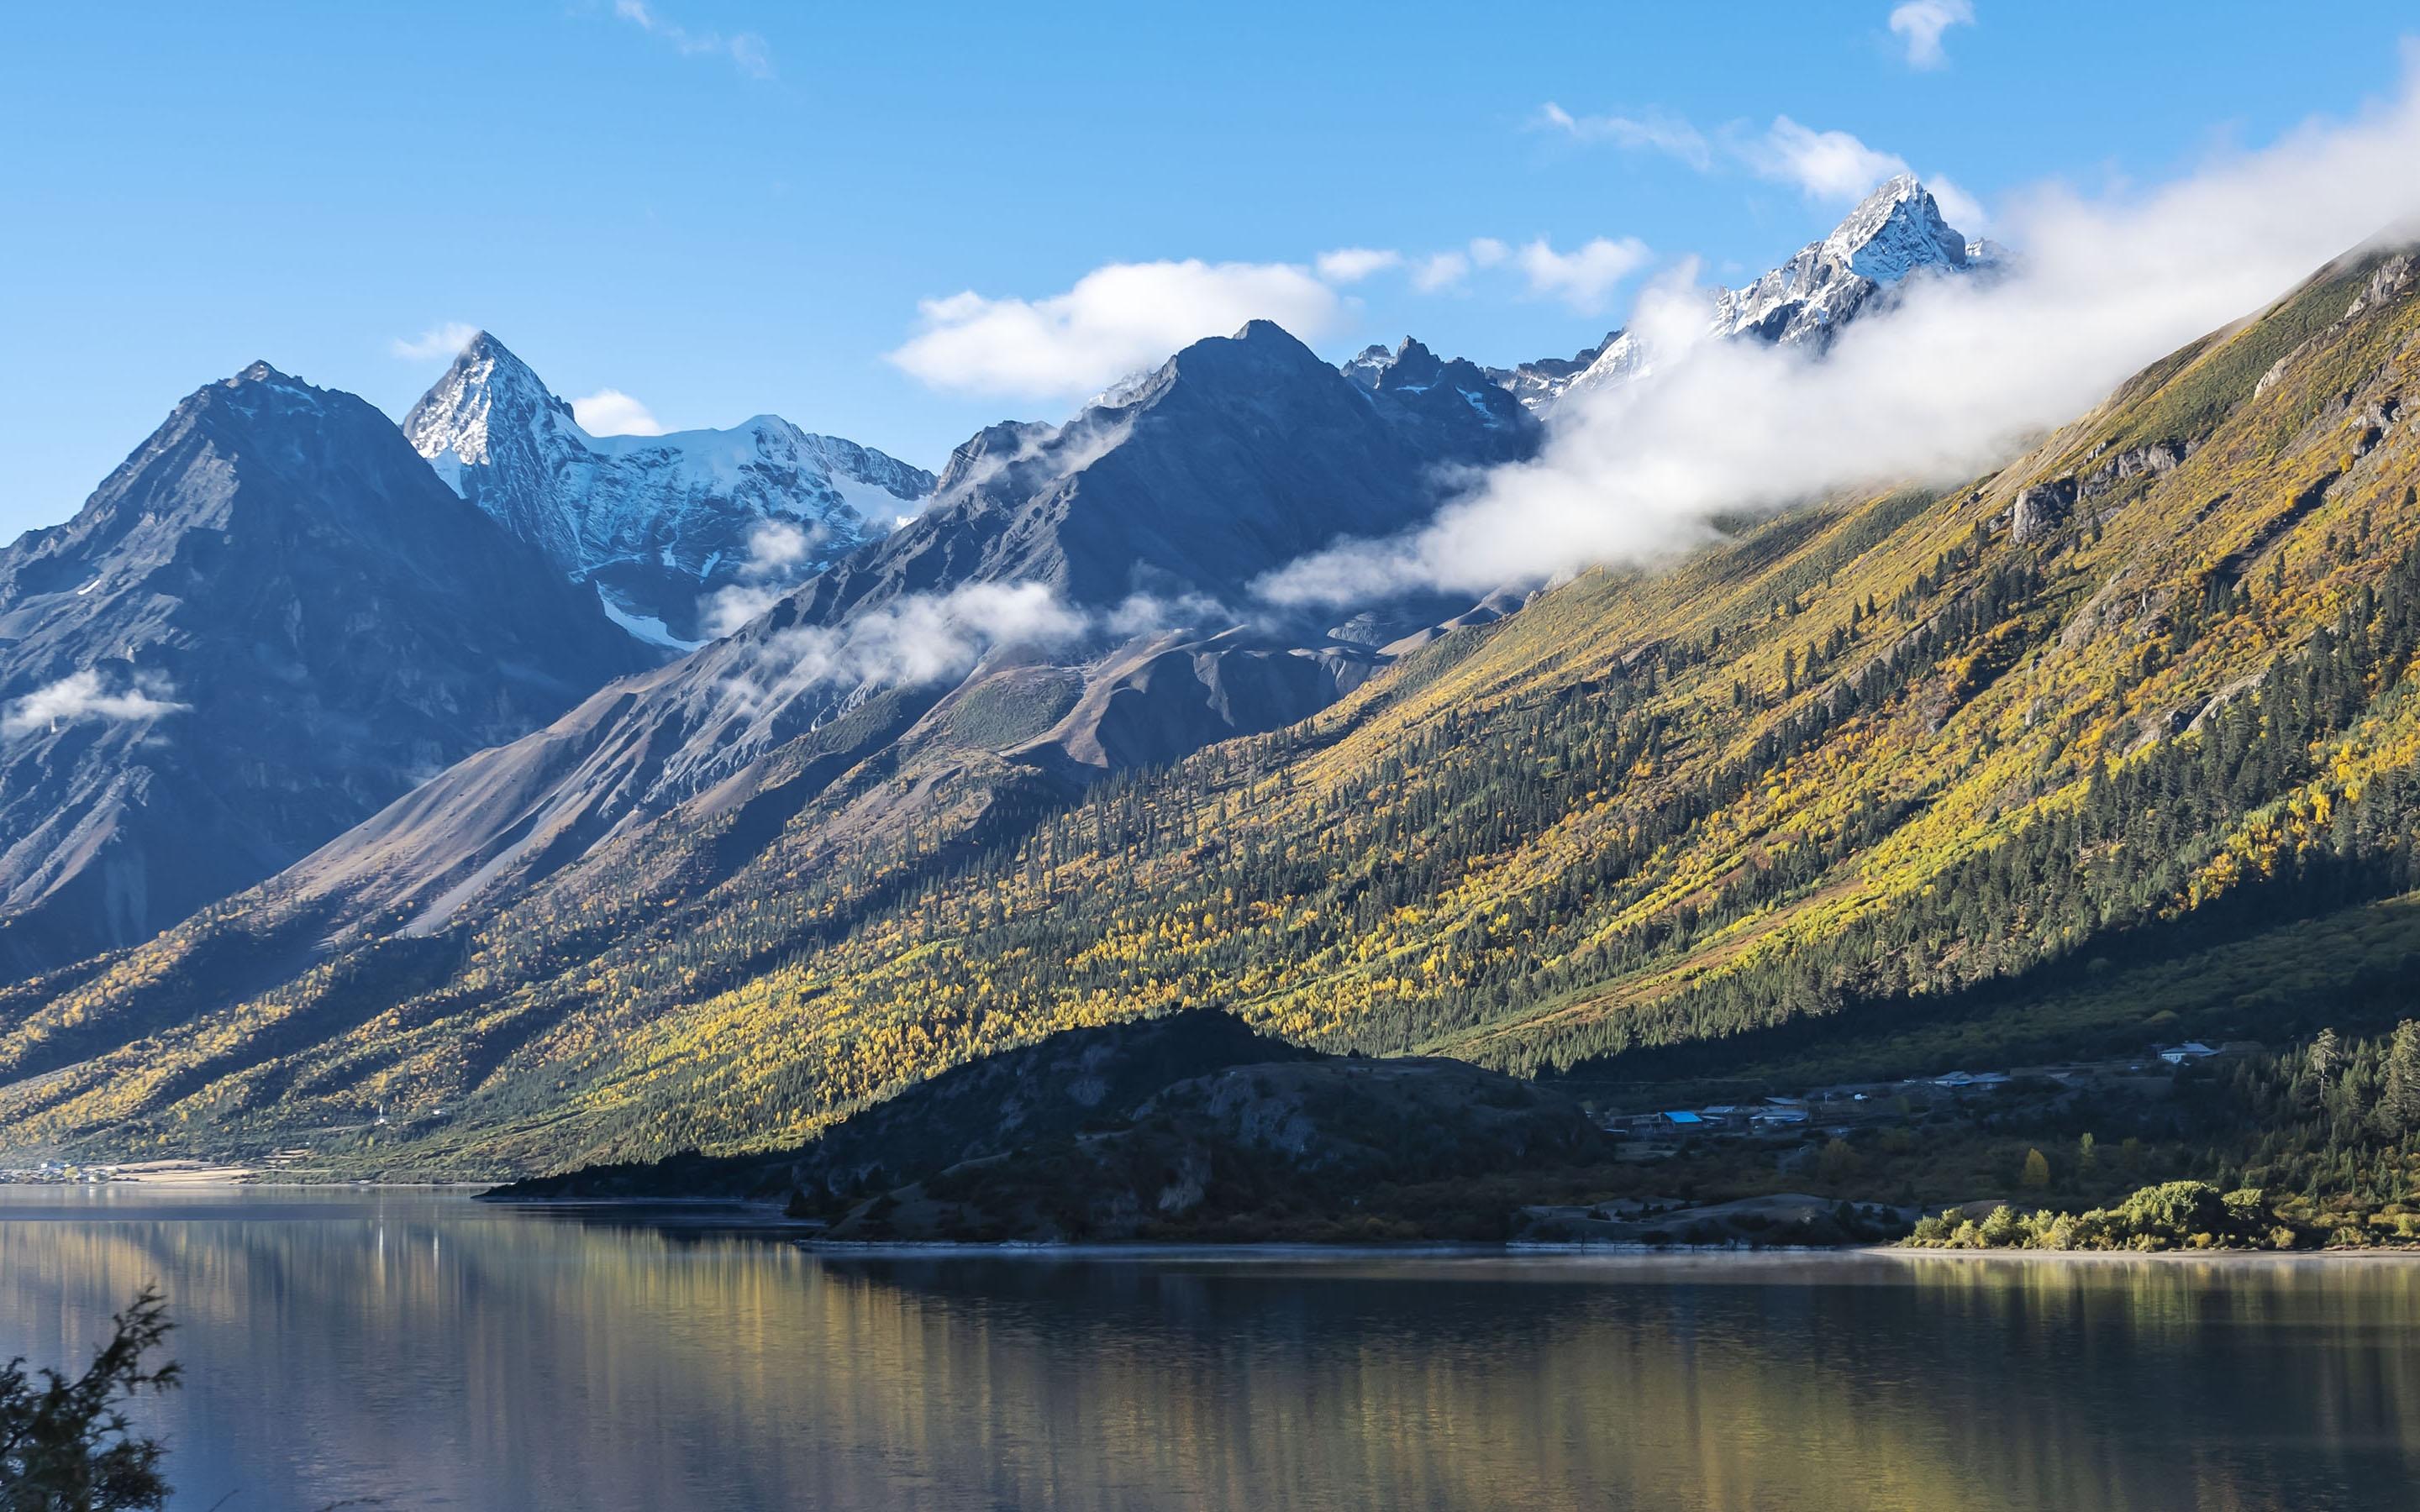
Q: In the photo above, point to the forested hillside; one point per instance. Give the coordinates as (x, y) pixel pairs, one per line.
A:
(2116, 742)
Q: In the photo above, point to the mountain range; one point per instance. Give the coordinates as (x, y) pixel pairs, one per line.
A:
(1059, 609)
(1883, 778)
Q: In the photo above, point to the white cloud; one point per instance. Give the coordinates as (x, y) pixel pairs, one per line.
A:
(1953, 381)
(730, 606)
(1117, 319)
(611, 413)
(1147, 614)
(777, 545)
(1448, 270)
(1960, 208)
(1350, 264)
(779, 553)
(921, 639)
(913, 640)
(1836, 166)
(1922, 22)
(745, 51)
(1583, 278)
(1441, 271)
(438, 340)
(1653, 131)
(1823, 164)
(1826, 166)
(80, 696)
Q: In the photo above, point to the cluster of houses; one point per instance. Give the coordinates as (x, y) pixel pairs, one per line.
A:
(55, 1173)
(1839, 1109)
(1774, 1113)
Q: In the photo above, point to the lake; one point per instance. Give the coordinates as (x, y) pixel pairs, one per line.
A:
(429, 1351)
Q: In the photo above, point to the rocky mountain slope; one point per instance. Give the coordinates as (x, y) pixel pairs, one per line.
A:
(266, 624)
(2115, 743)
(683, 536)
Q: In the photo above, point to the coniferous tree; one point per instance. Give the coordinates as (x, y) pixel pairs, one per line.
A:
(65, 1444)
(2398, 1101)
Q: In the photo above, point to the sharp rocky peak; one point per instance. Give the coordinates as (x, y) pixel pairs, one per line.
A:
(1261, 350)
(1894, 231)
(452, 424)
(1411, 364)
(259, 394)
(258, 371)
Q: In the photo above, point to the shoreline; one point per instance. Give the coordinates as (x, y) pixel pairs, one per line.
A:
(2383, 1252)
(1280, 1249)
(768, 1218)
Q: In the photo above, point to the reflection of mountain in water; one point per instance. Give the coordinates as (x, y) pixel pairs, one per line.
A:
(440, 1355)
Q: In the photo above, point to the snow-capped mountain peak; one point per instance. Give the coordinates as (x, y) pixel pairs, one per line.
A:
(1368, 364)
(660, 524)
(450, 425)
(1894, 234)
(1894, 231)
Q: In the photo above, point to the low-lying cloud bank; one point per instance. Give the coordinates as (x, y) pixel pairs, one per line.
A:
(922, 639)
(779, 553)
(82, 696)
(1957, 377)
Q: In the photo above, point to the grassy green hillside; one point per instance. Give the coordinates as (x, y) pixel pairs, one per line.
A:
(2117, 743)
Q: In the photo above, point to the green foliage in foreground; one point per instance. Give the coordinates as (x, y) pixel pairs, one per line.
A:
(2172, 1215)
(66, 1445)
(2331, 1159)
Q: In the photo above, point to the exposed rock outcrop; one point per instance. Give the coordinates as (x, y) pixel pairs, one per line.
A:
(2041, 508)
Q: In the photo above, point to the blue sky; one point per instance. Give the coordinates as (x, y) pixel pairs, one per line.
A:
(722, 206)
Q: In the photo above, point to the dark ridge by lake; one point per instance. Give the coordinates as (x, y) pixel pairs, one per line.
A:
(434, 1352)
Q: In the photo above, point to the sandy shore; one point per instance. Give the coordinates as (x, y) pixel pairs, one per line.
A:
(181, 1173)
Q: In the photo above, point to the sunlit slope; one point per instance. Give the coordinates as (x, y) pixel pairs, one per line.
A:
(1868, 760)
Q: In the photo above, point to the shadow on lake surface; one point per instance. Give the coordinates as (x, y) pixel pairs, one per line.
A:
(435, 1352)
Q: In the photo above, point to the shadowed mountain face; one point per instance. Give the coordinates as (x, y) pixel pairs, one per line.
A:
(1237, 455)
(1047, 1091)
(1190, 1125)
(270, 622)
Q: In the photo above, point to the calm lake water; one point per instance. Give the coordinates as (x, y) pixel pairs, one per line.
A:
(428, 1351)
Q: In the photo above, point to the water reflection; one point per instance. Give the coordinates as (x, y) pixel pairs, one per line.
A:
(441, 1355)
